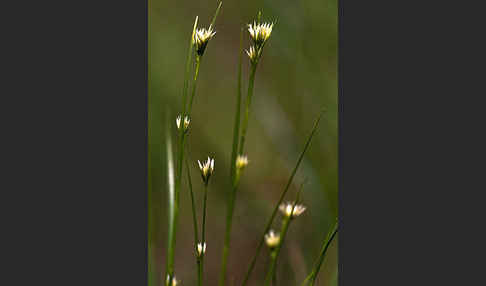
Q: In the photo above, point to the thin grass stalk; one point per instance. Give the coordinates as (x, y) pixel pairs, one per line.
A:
(272, 217)
(203, 235)
(193, 205)
(188, 69)
(194, 84)
(232, 196)
(249, 96)
(283, 232)
(317, 266)
(173, 222)
(194, 221)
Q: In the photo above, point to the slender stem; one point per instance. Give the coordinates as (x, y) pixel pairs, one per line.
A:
(313, 275)
(194, 219)
(203, 235)
(283, 232)
(251, 84)
(196, 73)
(199, 272)
(273, 262)
(269, 223)
(188, 69)
(232, 195)
(236, 129)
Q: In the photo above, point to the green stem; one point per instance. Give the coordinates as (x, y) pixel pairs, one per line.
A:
(194, 219)
(313, 275)
(199, 272)
(232, 196)
(283, 232)
(269, 223)
(188, 70)
(273, 262)
(203, 235)
(196, 73)
(249, 96)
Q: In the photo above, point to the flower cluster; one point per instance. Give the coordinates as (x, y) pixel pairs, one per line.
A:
(207, 169)
(201, 39)
(259, 33)
(171, 281)
(201, 249)
(241, 162)
(180, 124)
(272, 239)
(286, 209)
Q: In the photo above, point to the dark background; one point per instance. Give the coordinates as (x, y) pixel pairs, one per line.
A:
(296, 78)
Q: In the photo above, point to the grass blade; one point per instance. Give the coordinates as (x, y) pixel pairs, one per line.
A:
(216, 14)
(269, 223)
(173, 208)
(313, 275)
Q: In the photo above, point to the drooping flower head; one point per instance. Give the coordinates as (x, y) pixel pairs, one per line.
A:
(286, 209)
(207, 169)
(201, 39)
(272, 239)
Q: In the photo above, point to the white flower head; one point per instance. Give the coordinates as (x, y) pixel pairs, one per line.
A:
(260, 33)
(201, 39)
(207, 169)
(241, 161)
(185, 124)
(172, 282)
(286, 209)
(272, 239)
(252, 54)
(201, 248)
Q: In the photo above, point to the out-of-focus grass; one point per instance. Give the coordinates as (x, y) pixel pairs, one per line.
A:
(295, 79)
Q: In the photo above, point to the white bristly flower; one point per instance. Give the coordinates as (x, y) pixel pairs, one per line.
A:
(272, 239)
(241, 162)
(207, 169)
(201, 39)
(185, 124)
(201, 248)
(260, 33)
(173, 282)
(286, 209)
(252, 54)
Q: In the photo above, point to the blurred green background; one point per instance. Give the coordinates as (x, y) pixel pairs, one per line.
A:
(296, 77)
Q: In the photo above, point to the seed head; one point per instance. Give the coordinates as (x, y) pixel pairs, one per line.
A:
(201, 248)
(201, 39)
(286, 209)
(272, 239)
(241, 162)
(260, 33)
(185, 124)
(207, 169)
(252, 54)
